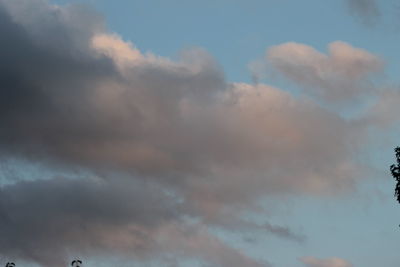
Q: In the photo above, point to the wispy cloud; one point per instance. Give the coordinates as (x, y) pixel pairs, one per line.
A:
(367, 11)
(331, 262)
(284, 232)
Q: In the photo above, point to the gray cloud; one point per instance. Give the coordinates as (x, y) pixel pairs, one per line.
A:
(43, 220)
(284, 232)
(366, 10)
(229, 222)
(73, 95)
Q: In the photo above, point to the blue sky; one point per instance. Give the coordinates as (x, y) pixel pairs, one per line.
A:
(306, 150)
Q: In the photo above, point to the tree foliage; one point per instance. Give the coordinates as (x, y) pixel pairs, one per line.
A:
(395, 170)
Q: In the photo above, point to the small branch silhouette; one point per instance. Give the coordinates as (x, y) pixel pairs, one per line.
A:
(76, 263)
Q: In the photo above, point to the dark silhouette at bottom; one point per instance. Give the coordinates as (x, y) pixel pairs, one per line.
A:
(76, 263)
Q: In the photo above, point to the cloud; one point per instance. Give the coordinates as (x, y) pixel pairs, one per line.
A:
(383, 113)
(198, 241)
(246, 226)
(43, 220)
(284, 232)
(331, 262)
(343, 75)
(169, 141)
(366, 10)
(159, 117)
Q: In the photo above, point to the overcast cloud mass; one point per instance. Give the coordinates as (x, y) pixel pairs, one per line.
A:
(164, 150)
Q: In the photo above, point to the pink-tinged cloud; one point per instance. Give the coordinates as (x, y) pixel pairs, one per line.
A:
(383, 113)
(168, 142)
(331, 262)
(342, 75)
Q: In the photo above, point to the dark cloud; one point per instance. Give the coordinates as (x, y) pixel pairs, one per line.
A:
(46, 221)
(43, 220)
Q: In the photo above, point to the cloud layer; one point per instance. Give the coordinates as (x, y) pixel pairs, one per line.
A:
(168, 148)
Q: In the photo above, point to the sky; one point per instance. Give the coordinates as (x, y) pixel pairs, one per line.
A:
(208, 133)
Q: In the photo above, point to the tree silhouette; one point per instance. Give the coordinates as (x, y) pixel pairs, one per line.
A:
(395, 170)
